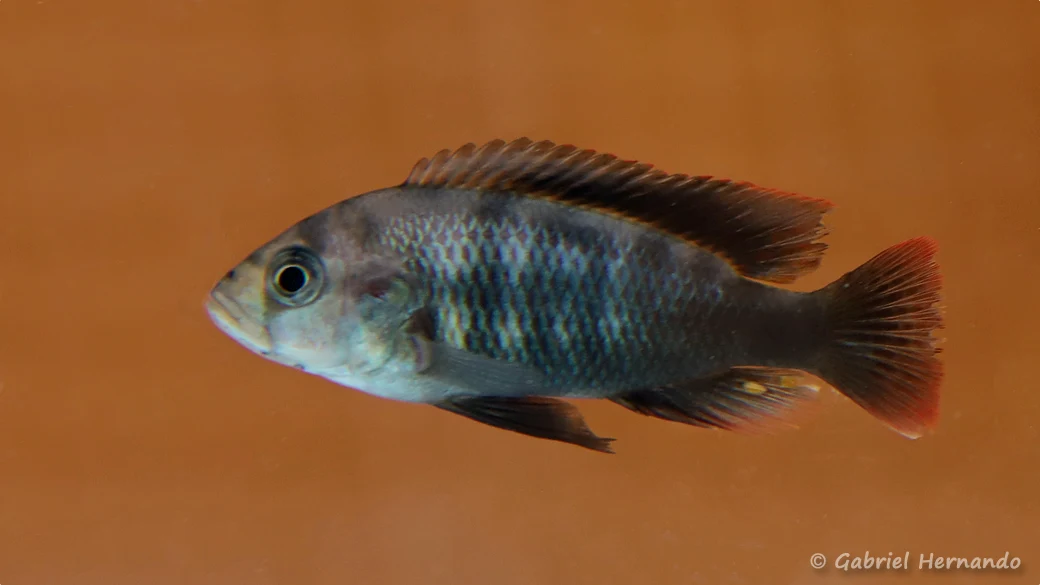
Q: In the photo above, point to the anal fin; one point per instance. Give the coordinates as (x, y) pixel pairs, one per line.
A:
(740, 399)
(535, 416)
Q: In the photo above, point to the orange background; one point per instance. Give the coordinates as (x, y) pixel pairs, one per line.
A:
(146, 147)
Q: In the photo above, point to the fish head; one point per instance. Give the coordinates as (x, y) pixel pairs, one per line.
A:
(286, 301)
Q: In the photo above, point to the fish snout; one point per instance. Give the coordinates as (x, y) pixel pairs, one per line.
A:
(236, 323)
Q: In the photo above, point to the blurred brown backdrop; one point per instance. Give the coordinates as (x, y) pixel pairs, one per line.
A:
(145, 147)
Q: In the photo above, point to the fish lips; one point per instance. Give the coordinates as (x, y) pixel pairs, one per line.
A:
(229, 317)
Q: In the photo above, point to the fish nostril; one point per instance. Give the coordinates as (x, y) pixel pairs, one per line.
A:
(230, 274)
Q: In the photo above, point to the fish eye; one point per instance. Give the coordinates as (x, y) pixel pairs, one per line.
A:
(296, 277)
(291, 278)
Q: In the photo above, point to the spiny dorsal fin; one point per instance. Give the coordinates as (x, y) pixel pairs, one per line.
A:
(766, 234)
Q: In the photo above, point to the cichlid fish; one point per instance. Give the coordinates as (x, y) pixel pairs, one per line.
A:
(496, 281)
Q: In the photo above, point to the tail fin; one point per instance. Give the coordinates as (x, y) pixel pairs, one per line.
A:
(882, 354)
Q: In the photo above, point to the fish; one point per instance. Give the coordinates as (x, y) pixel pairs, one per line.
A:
(503, 282)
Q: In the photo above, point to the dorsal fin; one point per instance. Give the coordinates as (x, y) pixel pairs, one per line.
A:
(764, 233)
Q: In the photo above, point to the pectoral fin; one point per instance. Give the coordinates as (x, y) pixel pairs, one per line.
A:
(474, 373)
(545, 418)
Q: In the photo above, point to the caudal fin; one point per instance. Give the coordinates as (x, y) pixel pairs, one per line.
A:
(882, 353)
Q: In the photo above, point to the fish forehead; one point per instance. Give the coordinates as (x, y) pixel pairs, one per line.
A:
(244, 285)
(316, 232)
(333, 233)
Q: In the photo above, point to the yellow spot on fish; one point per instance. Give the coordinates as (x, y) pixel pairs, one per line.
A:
(754, 387)
(789, 381)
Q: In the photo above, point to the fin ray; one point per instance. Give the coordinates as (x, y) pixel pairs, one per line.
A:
(764, 233)
(534, 416)
(739, 399)
(475, 373)
(882, 353)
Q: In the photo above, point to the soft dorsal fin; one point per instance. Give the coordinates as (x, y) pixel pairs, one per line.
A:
(764, 233)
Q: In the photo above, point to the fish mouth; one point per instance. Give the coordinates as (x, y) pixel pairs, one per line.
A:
(234, 322)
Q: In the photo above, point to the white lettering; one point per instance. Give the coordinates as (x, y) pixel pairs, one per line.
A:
(1003, 563)
(842, 562)
(925, 562)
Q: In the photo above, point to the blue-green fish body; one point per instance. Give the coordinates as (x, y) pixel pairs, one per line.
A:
(497, 280)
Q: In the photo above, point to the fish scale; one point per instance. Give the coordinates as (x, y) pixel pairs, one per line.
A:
(575, 292)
